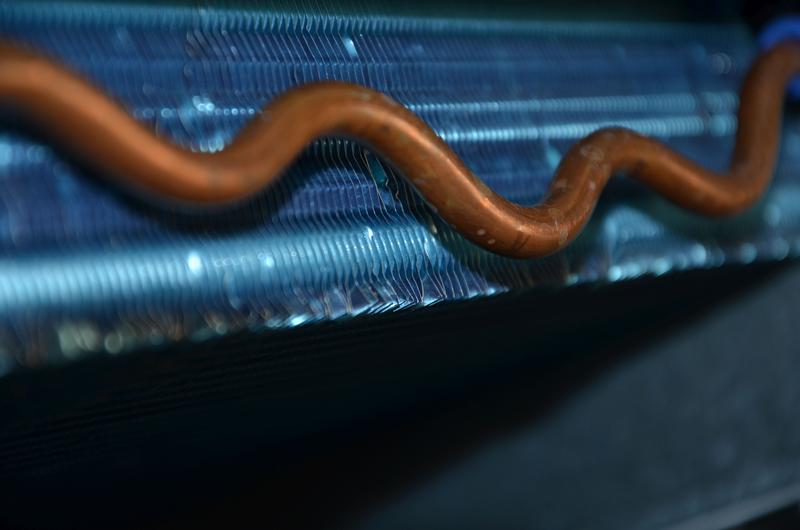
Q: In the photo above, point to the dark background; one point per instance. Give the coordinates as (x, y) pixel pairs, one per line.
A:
(640, 404)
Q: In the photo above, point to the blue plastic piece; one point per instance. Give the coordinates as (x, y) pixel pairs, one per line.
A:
(779, 30)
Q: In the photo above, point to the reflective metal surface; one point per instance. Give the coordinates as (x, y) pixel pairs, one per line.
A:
(86, 271)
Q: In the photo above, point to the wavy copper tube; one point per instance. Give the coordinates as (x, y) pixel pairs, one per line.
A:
(106, 136)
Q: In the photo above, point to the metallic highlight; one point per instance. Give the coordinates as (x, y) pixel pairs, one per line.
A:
(103, 134)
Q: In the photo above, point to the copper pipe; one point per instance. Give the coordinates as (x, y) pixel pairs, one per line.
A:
(106, 136)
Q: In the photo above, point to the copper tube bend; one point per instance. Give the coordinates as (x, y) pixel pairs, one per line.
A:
(103, 134)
